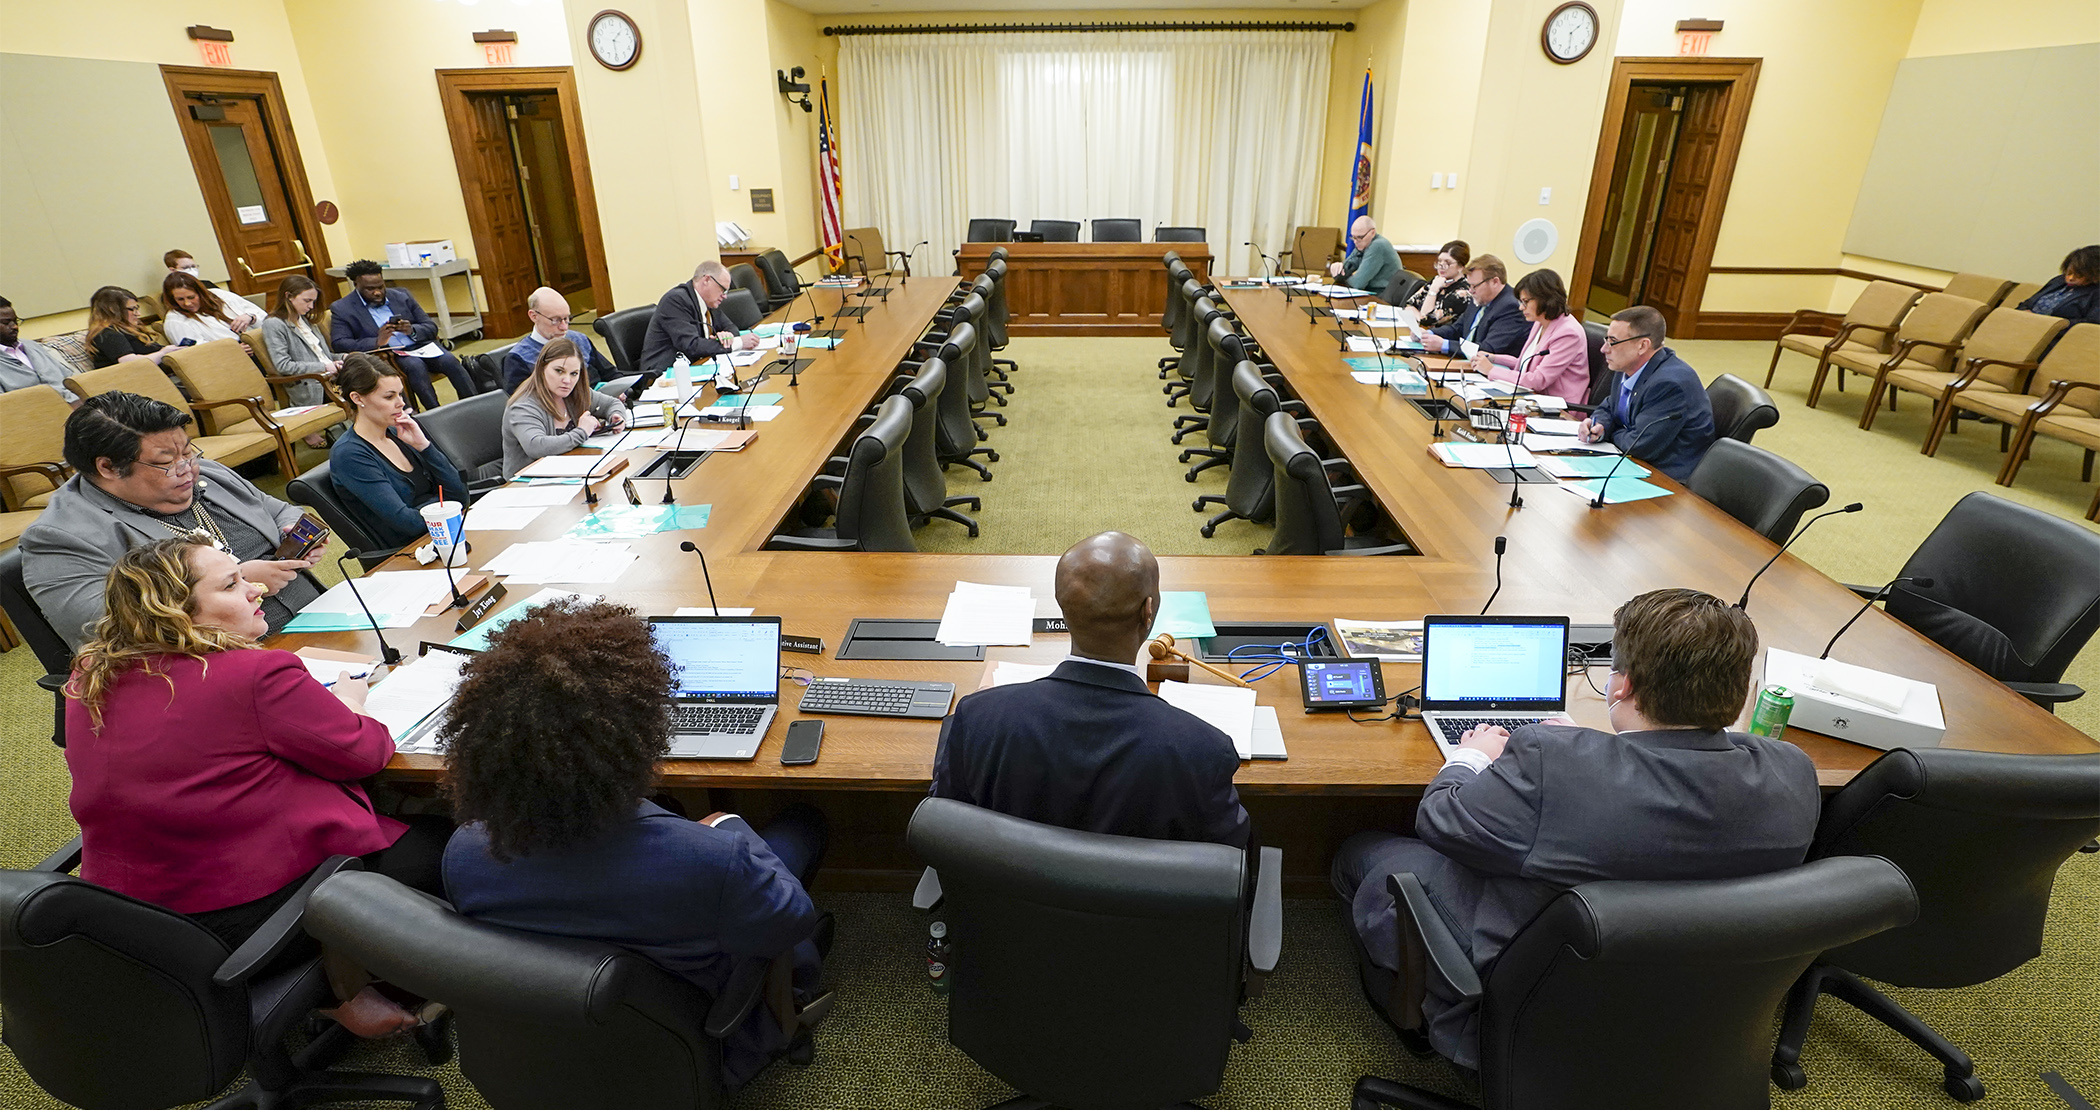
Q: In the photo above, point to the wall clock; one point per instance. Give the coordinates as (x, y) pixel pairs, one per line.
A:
(615, 41)
(1570, 32)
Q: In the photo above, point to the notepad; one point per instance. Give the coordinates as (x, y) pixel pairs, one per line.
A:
(1589, 466)
(1481, 456)
(560, 466)
(1229, 709)
(1185, 614)
(1623, 489)
(984, 614)
(414, 691)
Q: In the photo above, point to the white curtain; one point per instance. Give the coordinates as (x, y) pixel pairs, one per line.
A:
(1218, 130)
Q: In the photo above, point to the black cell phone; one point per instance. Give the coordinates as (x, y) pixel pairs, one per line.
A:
(187, 343)
(305, 538)
(804, 739)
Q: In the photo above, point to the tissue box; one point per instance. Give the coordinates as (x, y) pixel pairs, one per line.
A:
(420, 252)
(1917, 723)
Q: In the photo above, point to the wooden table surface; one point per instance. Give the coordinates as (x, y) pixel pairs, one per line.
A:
(1085, 288)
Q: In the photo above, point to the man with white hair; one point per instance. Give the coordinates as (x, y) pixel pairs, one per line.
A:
(689, 321)
(1373, 264)
(549, 312)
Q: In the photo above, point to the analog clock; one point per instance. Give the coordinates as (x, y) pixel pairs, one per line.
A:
(1570, 32)
(615, 41)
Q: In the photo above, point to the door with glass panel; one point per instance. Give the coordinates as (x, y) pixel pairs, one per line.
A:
(250, 177)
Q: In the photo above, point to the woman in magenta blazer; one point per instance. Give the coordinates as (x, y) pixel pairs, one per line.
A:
(1555, 358)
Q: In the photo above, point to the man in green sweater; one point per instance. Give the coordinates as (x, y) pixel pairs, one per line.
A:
(1373, 264)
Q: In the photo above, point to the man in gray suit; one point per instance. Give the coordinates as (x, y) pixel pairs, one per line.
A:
(1513, 820)
(138, 479)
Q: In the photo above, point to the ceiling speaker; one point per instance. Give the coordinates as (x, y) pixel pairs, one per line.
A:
(1536, 241)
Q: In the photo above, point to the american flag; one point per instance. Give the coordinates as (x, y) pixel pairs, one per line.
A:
(828, 169)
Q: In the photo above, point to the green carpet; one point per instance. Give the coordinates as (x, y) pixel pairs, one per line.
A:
(1087, 450)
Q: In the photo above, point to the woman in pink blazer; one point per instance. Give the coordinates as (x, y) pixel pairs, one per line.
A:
(1555, 358)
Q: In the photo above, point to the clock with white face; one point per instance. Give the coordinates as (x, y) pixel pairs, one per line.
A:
(615, 41)
(1570, 32)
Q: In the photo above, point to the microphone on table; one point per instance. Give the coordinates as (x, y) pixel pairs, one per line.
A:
(1512, 427)
(1744, 601)
(1501, 545)
(590, 496)
(1921, 583)
(387, 654)
(641, 385)
(1597, 502)
(908, 256)
(688, 545)
(1436, 407)
(1267, 271)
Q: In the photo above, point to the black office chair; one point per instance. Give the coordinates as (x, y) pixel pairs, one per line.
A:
(990, 231)
(1095, 971)
(1741, 410)
(870, 515)
(1403, 286)
(1197, 367)
(1981, 835)
(470, 433)
(1222, 428)
(1767, 493)
(742, 308)
(955, 434)
(1165, 234)
(486, 368)
(1641, 995)
(1601, 373)
(974, 367)
(545, 1023)
(1312, 515)
(744, 276)
(117, 1004)
(1250, 491)
(1118, 231)
(987, 382)
(781, 280)
(1056, 231)
(996, 316)
(2015, 592)
(45, 643)
(1176, 319)
(316, 490)
(1170, 312)
(925, 487)
(624, 332)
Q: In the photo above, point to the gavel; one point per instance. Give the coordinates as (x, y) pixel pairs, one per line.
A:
(1162, 647)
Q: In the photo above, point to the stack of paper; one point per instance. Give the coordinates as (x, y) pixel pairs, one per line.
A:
(562, 561)
(413, 692)
(326, 666)
(730, 413)
(980, 614)
(1266, 741)
(1229, 709)
(1482, 456)
(502, 519)
(628, 439)
(1589, 466)
(561, 466)
(396, 599)
(1008, 673)
(519, 497)
(1623, 489)
(1185, 614)
(477, 637)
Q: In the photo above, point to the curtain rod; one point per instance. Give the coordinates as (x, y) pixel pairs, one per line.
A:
(992, 28)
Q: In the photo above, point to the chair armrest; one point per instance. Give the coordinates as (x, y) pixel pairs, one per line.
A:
(1265, 923)
(828, 481)
(54, 473)
(1391, 549)
(1422, 925)
(2047, 694)
(61, 861)
(282, 926)
(928, 894)
(1845, 331)
(1292, 406)
(740, 995)
(1976, 365)
(1905, 347)
(809, 543)
(254, 406)
(1814, 317)
(327, 384)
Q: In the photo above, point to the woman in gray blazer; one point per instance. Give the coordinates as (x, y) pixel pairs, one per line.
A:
(294, 344)
(554, 410)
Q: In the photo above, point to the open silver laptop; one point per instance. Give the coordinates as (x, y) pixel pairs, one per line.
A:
(725, 683)
(1507, 671)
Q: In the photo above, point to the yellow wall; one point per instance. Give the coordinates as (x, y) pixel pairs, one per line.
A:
(795, 39)
(1978, 26)
(1429, 122)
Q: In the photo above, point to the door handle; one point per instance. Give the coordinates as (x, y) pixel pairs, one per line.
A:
(305, 260)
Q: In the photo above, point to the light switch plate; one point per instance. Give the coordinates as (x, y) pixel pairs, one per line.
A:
(1546, 195)
(733, 183)
(1436, 181)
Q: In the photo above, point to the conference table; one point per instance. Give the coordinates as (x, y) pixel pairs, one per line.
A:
(1085, 288)
(1564, 558)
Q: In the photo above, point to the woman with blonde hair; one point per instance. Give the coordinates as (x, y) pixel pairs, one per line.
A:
(202, 315)
(211, 776)
(114, 333)
(294, 343)
(554, 410)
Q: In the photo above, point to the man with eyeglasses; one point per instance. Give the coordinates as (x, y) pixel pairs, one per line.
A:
(1494, 324)
(1372, 263)
(549, 312)
(137, 479)
(689, 321)
(1657, 411)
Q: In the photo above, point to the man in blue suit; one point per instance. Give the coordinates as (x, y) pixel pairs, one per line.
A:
(1657, 411)
(376, 318)
(1494, 324)
(1089, 746)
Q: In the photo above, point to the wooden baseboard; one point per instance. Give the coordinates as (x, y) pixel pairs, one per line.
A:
(1741, 325)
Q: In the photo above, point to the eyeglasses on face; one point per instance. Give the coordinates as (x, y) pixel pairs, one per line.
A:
(1610, 342)
(550, 318)
(178, 468)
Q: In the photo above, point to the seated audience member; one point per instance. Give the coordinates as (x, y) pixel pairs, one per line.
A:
(201, 315)
(1657, 411)
(549, 312)
(211, 775)
(294, 344)
(687, 322)
(1446, 297)
(387, 469)
(1514, 819)
(552, 747)
(1089, 746)
(2074, 294)
(181, 260)
(1555, 358)
(375, 317)
(114, 333)
(26, 362)
(1372, 264)
(137, 479)
(553, 411)
(1492, 323)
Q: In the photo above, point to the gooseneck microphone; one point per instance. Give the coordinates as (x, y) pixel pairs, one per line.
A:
(387, 654)
(1921, 583)
(688, 545)
(1436, 407)
(1501, 545)
(1267, 269)
(1744, 601)
(590, 495)
(1597, 502)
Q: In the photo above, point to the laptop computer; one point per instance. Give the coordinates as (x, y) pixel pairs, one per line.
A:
(725, 674)
(1507, 671)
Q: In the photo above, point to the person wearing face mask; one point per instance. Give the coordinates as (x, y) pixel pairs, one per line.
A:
(136, 479)
(387, 469)
(688, 322)
(1515, 819)
(179, 260)
(553, 411)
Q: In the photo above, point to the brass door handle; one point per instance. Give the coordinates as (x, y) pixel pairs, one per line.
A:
(305, 260)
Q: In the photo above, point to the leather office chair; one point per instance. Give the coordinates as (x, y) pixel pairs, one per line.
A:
(989, 231)
(1118, 231)
(1642, 995)
(996, 317)
(316, 490)
(974, 367)
(862, 252)
(1250, 491)
(1180, 303)
(1741, 410)
(1311, 514)
(1766, 493)
(1165, 234)
(1199, 367)
(956, 435)
(116, 1004)
(1403, 286)
(1221, 429)
(781, 280)
(1095, 971)
(870, 515)
(470, 433)
(744, 276)
(742, 308)
(1601, 373)
(40, 634)
(2015, 592)
(486, 369)
(986, 381)
(1056, 231)
(925, 487)
(624, 332)
(1312, 248)
(1981, 835)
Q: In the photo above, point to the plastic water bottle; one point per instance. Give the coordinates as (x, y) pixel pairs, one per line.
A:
(937, 953)
(682, 375)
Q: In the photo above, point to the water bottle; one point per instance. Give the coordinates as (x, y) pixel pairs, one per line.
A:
(937, 957)
(682, 374)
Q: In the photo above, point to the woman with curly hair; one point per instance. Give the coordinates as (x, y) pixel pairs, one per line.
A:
(552, 746)
(211, 776)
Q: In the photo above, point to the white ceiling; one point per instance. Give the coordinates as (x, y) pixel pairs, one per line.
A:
(857, 7)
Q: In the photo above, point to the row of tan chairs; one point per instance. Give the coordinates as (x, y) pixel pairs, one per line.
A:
(1968, 349)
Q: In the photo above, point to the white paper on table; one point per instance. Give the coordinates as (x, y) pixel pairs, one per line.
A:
(1368, 344)
(1569, 445)
(691, 438)
(427, 350)
(1006, 673)
(728, 414)
(751, 357)
(704, 611)
(501, 518)
(402, 593)
(1457, 377)
(663, 390)
(1229, 709)
(1549, 426)
(560, 466)
(562, 561)
(414, 691)
(1394, 376)
(1483, 456)
(1266, 741)
(628, 440)
(537, 495)
(326, 671)
(981, 614)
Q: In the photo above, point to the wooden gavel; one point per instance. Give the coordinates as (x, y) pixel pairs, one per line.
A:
(1162, 647)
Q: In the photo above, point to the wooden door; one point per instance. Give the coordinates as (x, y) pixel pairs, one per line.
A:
(507, 270)
(542, 158)
(1640, 172)
(251, 184)
(1692, 174)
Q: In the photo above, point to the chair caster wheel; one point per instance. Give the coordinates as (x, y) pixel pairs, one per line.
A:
(992, 455)
(1197, 504)
(1190, 477)
(1789, 1077)
(1208, 531)
(973, 531)
(1177, 442)
(1185, 456)
(1963, 1088)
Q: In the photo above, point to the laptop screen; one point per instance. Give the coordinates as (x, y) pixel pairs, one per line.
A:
(734, 659)
(1518, 664)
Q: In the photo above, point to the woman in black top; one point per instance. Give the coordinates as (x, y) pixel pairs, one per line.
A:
(114, 333)
(1446, 296)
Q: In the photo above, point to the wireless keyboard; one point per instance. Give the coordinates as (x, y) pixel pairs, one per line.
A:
(877, 698)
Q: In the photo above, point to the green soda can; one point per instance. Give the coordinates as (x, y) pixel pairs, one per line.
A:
(1774, 706)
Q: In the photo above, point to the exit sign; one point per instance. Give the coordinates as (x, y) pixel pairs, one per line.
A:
(1695, 43)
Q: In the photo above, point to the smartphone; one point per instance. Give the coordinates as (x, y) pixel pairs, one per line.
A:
(804, 739)
(187, 343)
(305, 538)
